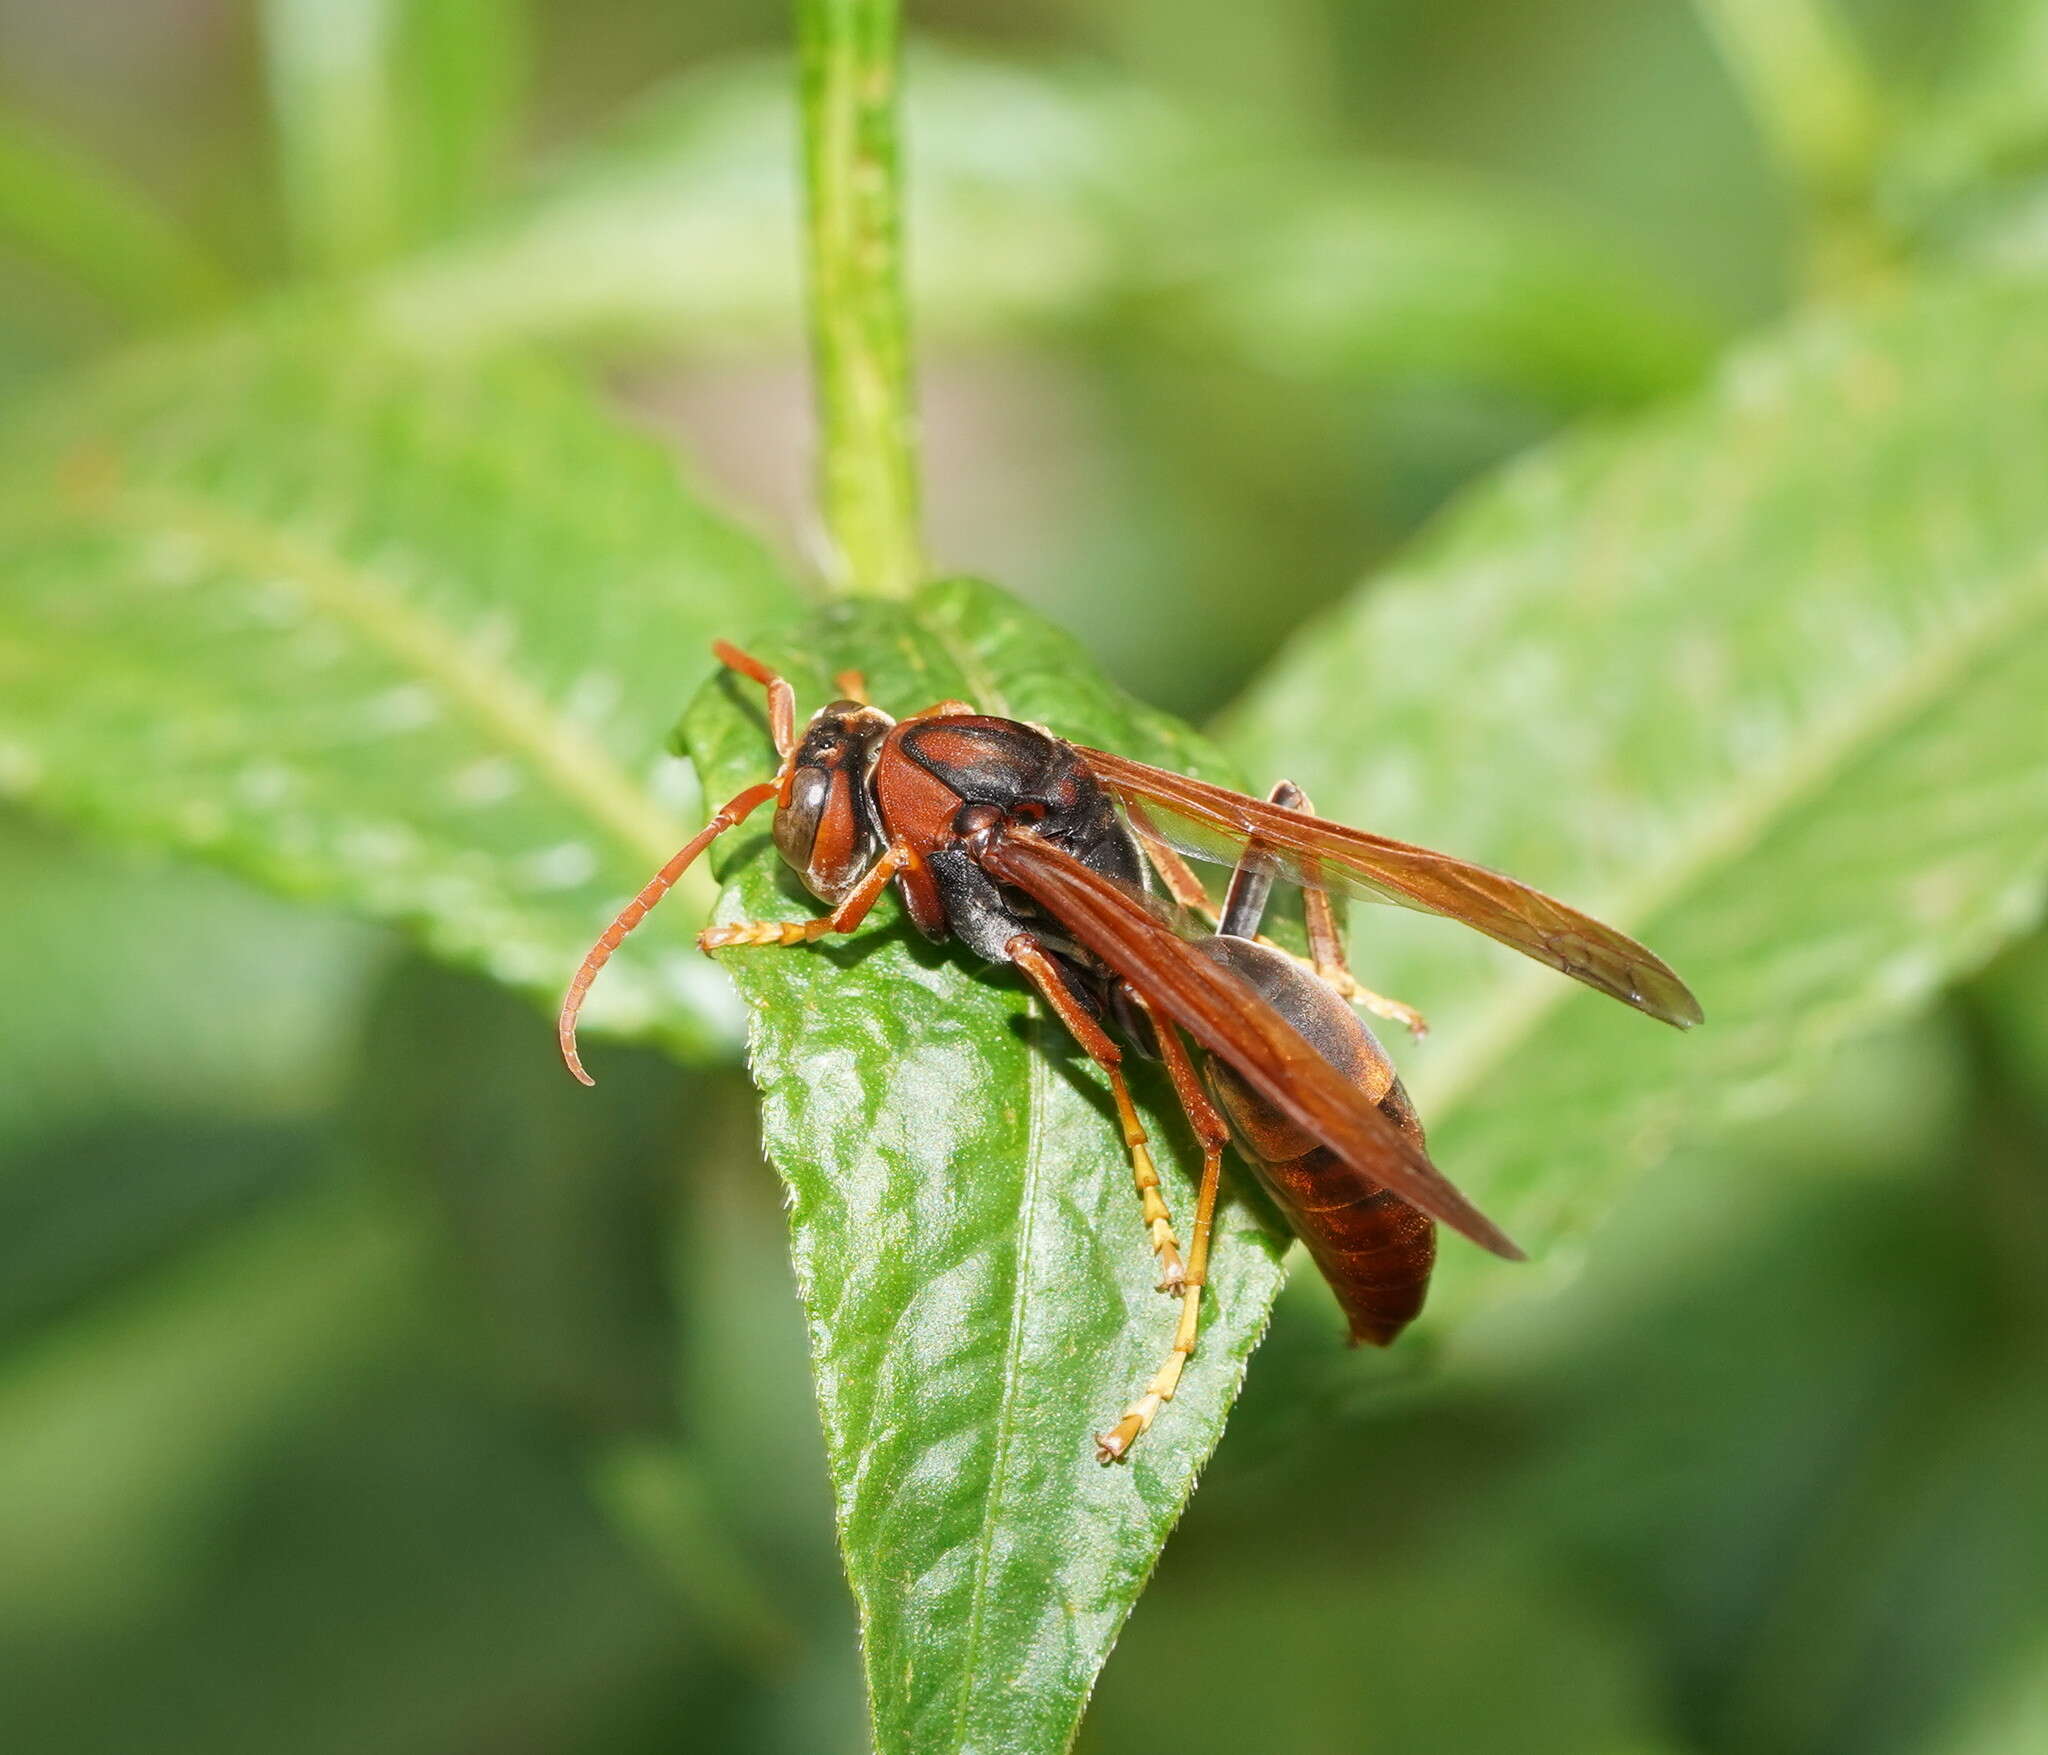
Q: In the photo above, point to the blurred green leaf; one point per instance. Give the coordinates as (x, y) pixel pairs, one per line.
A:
(1355, 1654)
(257, 1484)
(968, 1247)
(1983, 126)
(114, 947)
(387, 114)
(372, 629)
(116, 1426)
(462, 72)
(1042, 198)
(2009, 998)
(1396, 274)
(557, 1215)
(681, 225)
(2011, 1714)
(1758, 680)
(1970, 173)
(1767, 1536)
(64, 210)
(1818, 107)
(136, 1119)
(555, 1211)
(655, 1494)
(1798, 65)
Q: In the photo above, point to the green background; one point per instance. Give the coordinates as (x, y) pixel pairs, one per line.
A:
(343, 1341)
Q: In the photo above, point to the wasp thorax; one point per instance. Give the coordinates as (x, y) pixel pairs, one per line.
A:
(976, 820)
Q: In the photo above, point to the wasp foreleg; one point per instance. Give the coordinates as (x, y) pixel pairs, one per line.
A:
(853, 908)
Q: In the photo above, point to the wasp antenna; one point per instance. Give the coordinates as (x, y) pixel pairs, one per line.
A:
(734, 811)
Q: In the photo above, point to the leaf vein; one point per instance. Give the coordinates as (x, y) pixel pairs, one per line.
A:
(1723, 836)
(505, 708)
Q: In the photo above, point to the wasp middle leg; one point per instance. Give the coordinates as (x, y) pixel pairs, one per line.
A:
(1095, 1041)
(1319, 915)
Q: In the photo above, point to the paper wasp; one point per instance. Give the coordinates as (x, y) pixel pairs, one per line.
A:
(1039, 853)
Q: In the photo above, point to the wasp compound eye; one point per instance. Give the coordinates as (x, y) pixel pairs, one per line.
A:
(796, 823)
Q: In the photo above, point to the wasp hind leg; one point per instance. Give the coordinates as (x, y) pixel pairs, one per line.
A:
(1213, 1135)
(1180, 881)
(1326, 942)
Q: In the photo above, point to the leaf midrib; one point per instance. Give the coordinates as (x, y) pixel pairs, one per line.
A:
(1013, 1352)
(988, 695)
(510, 713)
(1719, 838)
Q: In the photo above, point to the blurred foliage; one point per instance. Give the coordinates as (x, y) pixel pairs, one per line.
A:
(1753, 675)
(362, 1383)
(1096, 193)
(389, 115)
(360, 625)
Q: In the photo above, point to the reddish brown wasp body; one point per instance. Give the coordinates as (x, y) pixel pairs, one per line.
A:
(1375, 1250)
(1012, 841)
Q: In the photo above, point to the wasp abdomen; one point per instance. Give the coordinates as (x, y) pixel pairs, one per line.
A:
(1375, 1250)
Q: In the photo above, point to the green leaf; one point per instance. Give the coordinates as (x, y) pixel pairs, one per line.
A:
(1969, 174)
(1759, 681)
(1983, 128)
(462, 73)
(680, 226)
(2009, 1713)
(64, 209)
(968, 1246)
(132, 1118)
(1379, 273)
(84, 922)
(118, 1432)
(392, 633)
(1797, 64)
(1044, 198)
(388, 114)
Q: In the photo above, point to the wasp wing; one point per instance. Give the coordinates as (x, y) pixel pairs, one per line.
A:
(1229, 1019)
(1212, 822)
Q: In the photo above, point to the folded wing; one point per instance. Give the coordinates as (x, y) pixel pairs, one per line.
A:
(1212, 822)
(1231, 1021)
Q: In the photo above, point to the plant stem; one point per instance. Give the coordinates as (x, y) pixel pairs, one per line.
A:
(859, 328)
(331, 66)
(1819, 107)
